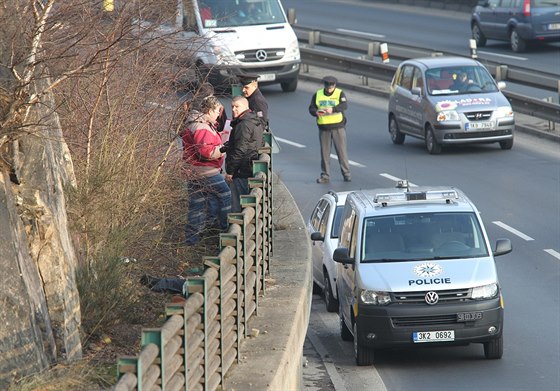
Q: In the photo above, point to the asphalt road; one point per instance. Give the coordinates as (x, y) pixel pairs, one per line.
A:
(441, 30)
(517, 193)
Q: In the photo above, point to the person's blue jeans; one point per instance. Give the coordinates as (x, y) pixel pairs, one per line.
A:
(239, 187)
(209, 205)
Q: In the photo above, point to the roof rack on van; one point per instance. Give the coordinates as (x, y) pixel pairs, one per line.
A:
(446, 195)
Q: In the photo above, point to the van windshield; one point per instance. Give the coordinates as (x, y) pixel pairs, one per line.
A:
(422, 237)
(459, 80)
(234, 13)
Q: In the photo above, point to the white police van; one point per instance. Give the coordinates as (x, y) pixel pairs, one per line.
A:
(415, 267)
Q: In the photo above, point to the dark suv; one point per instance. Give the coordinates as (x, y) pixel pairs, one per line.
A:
(518, 21)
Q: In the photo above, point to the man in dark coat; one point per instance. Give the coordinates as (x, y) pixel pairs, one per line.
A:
(257, 102)
(244, 141)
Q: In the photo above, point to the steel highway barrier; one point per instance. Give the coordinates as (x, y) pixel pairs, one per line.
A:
(365, 46)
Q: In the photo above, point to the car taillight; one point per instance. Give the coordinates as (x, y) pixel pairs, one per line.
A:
(527, 8)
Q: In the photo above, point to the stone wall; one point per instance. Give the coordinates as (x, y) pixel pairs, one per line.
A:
(39, 310)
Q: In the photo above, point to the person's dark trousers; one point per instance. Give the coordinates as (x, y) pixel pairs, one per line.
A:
(326, 139)
(239, 187)
(209, 202)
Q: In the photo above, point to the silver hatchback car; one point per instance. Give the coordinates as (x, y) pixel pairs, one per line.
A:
(448, 101)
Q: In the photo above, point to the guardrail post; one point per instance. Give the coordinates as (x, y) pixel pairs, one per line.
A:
(472, 46)
(501, 72)
(179, 309)
(232, 239)
(551, 124)
(198, 284)
(152, 336)
(292, 16)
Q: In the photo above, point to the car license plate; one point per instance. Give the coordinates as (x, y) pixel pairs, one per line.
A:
(479, 125)
(554, 26)
(468, 316)
(433, 336)
(267, 77)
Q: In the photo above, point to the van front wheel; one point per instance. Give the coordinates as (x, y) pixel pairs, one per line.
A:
(364, 355)
(431, 143)
(494, 349)
(289, 86)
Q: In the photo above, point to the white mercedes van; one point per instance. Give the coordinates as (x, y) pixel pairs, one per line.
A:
(415, 268)
(237, 37)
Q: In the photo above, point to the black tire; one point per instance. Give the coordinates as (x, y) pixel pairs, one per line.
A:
(317, 290)
(478, 36)
(364, 355)
(507, 144)
(396, 136)
(345, 332)
(494, 349)
(431, 143)
(518, 44)
(289, 86)
(330, 302)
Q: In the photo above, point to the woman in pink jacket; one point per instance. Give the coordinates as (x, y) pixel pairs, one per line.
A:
(209, 194)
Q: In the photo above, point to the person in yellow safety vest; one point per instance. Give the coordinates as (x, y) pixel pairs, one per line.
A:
(328, 105)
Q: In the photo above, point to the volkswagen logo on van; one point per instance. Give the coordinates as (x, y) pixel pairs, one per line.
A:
(431, 298)
(261, 55)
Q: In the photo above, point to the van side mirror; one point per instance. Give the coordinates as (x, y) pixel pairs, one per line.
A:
(340, 255)
(503, 246)
(416, 91)
(316, 236)
(501, 85)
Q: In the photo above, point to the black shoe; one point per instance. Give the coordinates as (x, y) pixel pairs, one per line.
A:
(347, 179)
(149, 281)
(323, 180)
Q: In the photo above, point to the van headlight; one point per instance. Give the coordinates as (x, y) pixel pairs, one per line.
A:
(448, 115)
(374, 297)
(292, 51)
(485, 292)
(503, 112)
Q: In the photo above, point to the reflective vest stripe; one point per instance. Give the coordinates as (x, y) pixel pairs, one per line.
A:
(323, 101)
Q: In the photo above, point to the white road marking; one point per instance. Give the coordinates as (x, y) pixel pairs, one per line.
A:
(504, 55)
(513, 230)
(351, 162)
(552, 252)
(395, 179)
(361, 33)
(283, 140)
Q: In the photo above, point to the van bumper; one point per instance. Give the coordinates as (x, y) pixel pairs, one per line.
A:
(273, 74)
(393, 326)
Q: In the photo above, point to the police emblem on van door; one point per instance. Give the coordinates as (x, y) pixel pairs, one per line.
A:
(428, 269)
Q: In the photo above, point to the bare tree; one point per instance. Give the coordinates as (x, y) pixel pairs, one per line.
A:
(90, 172)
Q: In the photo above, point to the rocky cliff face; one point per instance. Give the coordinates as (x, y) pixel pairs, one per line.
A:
(39, 302)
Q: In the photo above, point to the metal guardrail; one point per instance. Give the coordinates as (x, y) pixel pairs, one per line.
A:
(201, 338)
(376, 70)
(363, 45)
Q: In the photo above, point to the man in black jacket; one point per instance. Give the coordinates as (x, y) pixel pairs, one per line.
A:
(257, 102)
(244, 141)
